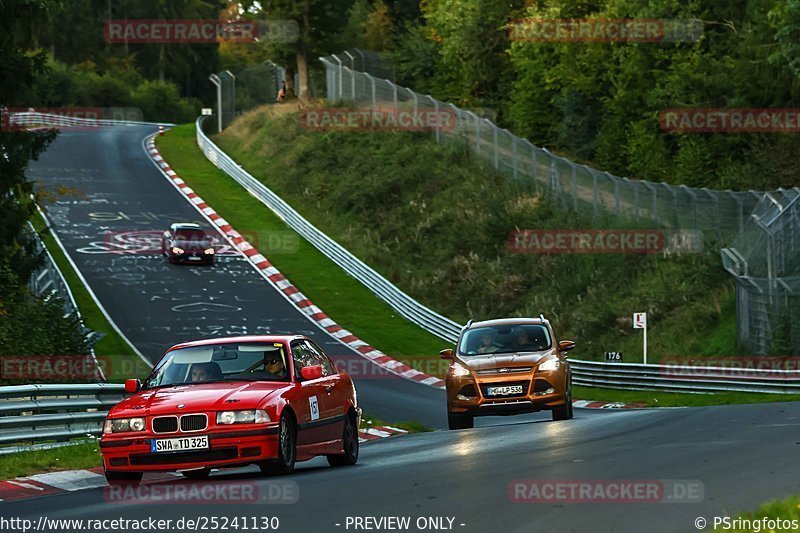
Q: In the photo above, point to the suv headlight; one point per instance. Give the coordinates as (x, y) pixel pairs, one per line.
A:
(550, 365)
(209, 251)
(256, 416)
(460, 370)
(123, 425)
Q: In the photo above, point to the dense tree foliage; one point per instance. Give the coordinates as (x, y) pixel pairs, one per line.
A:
(27, 325)
(601, 102)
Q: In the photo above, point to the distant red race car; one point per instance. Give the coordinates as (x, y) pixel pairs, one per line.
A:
(268, 400)
(186, 242)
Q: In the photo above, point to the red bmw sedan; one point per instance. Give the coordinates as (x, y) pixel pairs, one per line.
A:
(215, 403)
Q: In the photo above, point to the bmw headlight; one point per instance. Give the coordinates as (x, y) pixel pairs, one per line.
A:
(460, 370)
(122, 425)
(176, 250)
(256, 416)
(550, 365)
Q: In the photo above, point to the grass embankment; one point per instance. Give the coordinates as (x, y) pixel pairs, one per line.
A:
(763, 519)
(114, 354)
(72, 457)
(436, 221)
(389, 198)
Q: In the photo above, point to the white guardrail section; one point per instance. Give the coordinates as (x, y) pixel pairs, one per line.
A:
(404, 304)
(36, 413)
(630, 376)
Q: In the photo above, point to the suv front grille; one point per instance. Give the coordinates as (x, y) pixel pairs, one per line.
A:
(165, 424)
(194, 422)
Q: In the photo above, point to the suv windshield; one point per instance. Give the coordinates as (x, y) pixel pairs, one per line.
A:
(505, 339)
(220, 362)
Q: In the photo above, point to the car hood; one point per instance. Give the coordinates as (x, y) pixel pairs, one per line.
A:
(505, 360)
(201, 397)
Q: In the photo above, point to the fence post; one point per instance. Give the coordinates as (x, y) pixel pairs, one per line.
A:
(213, 78)
(374, 95)
(352, 74)
(341, 77)
(496, 148)
(574, 187)
(394, 95)
(438, 118)
(514, 153)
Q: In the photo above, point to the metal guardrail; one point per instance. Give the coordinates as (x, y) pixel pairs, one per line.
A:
(35, 413)
(404, 304)
(684, 378)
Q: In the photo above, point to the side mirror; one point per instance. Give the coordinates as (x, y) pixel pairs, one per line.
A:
(447, 353)
(311, 372)
(132, 386)
(165, 234)
(565, 346)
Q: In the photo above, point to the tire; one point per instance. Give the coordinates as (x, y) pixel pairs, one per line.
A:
(564, 412)
(349, 443)
(197, 475)
(460, 420)
(287, 449)
(123, 478)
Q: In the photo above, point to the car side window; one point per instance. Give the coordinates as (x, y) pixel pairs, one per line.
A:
(302, 356)
(328, 368)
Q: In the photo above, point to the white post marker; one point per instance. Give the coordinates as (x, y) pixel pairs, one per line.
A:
(640, 322)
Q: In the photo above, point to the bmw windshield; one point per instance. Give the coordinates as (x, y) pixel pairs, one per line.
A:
(220, 362)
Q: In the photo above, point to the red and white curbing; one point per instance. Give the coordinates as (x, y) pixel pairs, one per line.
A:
(588, 404)
(298, 299)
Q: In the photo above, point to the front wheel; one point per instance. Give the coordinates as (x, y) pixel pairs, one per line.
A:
(287, 449)
(349, 443)
(123, 478)
(460, 420)
(564, 412)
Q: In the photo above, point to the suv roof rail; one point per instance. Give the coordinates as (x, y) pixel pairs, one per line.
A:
(468, 324)
(542, 318)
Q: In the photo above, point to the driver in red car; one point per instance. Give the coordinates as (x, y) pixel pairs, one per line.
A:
(274, 365)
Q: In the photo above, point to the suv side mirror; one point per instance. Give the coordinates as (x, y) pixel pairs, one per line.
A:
(132, 386)
(447, 353)
(311, 372)
(565, 346)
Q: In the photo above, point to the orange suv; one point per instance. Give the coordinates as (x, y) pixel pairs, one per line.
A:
(506, 367)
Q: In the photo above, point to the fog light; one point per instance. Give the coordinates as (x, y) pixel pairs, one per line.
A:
(464, 398)
(551, 390)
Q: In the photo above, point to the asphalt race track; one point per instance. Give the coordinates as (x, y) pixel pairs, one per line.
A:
(119, 196)
(739, 456)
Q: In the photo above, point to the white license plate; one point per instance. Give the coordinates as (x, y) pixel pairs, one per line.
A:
(195, 258)
(504, 391)
(177, 445)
